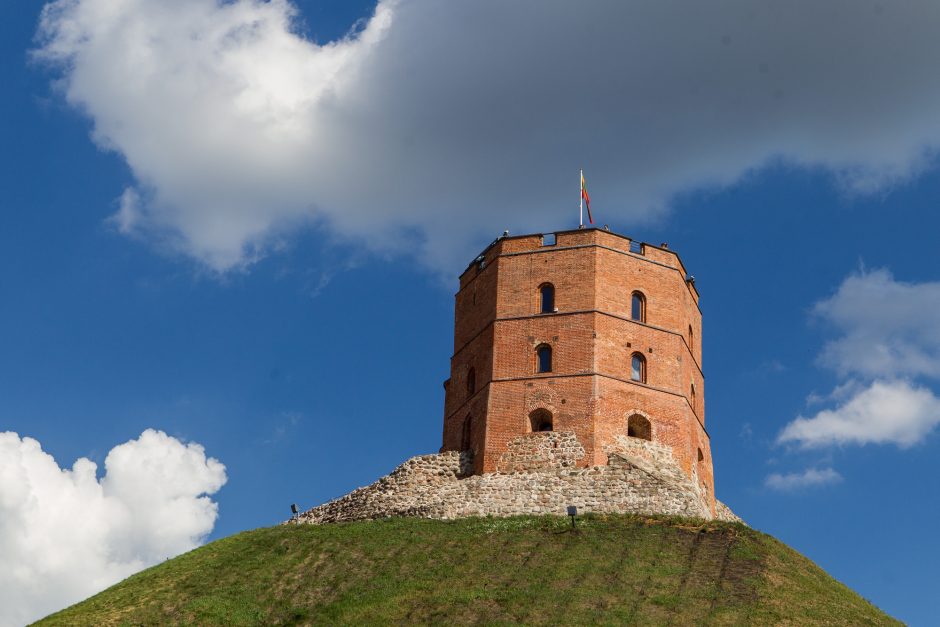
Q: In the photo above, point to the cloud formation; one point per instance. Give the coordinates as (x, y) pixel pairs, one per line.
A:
(887, 328)
(811, 477)
(438, 124)
(887, 339)
(885, 412)
(65, 534)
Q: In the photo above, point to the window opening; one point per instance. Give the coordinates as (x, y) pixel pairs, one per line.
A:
(471, 382)
(548, 239)
(540, 420)
(544, 358)
(639, 427)
(638, 307)
(547, 297)
(638, 368)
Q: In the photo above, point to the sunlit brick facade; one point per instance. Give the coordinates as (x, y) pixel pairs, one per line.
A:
(496, 392)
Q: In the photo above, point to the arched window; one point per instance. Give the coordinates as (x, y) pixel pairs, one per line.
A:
(639, 427)
(465, 440)
(691, 339)
(540, 420)
(638, 368)
(701, 457)
(692, 395)
(543, 356)
(471, 382)
(638, 307)
(547, 298)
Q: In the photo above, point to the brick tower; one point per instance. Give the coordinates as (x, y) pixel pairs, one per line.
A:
(583, 332)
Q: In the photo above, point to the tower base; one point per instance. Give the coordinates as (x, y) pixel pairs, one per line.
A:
(640, 478)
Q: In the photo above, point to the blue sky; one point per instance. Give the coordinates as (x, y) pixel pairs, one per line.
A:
(308, 355)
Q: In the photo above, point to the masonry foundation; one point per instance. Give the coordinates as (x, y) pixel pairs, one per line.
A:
(641, 477)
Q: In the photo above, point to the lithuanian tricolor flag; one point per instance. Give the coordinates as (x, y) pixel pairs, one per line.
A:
(586, 198)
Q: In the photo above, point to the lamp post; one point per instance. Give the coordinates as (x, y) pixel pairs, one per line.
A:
(572, 512)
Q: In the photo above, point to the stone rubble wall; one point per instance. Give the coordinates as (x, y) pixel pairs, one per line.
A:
(723, 512)
(657, 454)
(538, 451)
(440, 486)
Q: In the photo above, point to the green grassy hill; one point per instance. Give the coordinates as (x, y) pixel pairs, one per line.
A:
(525, 570)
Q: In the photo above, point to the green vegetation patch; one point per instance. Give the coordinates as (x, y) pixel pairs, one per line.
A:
(527, 570)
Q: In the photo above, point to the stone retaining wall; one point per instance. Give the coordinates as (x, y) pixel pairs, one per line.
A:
(542, 450)
(438, 486)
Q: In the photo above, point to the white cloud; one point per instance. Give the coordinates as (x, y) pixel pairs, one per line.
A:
(128, 216)
(888, 328)
(65, 534)
(888, 337)
(841, 392)
(885, 412)
(811, 477)
(441, 123)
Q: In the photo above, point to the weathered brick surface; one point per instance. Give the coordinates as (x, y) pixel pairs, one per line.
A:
(589, 393)
(640, 477)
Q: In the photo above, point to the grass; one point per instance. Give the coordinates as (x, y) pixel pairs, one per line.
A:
(613, 570)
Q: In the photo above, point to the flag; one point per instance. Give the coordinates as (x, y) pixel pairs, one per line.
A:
(586, 198)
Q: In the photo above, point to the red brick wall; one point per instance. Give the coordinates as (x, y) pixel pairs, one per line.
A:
(498, 325)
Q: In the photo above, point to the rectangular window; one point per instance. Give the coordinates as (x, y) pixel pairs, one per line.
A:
(544, 355)
(636, 247)
(638, 368)
(548, 239)
(548, 298)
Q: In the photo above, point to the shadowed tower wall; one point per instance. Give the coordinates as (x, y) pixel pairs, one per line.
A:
(498, 398)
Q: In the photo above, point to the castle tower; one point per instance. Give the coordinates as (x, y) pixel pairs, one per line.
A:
(584, 332)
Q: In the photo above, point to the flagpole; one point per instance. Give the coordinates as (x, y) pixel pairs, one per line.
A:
(581, 200)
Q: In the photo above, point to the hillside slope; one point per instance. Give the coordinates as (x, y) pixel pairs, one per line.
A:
(613, 569)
